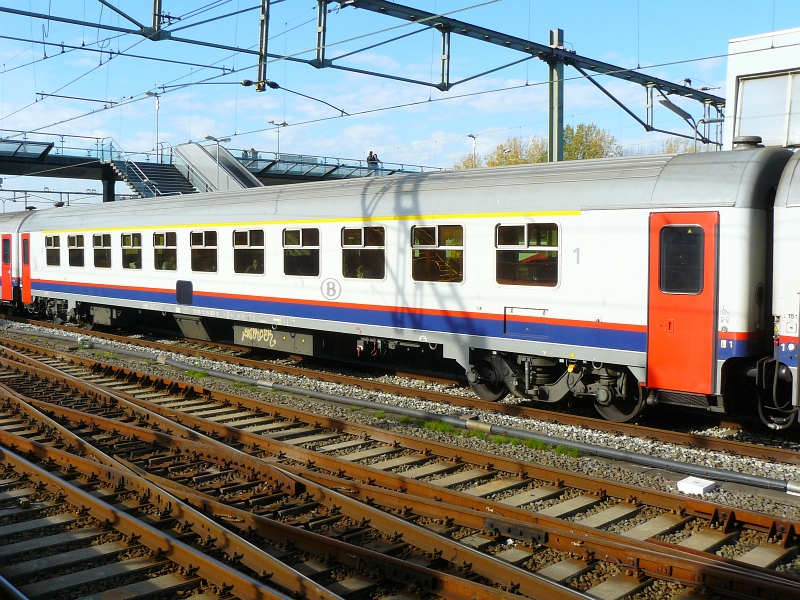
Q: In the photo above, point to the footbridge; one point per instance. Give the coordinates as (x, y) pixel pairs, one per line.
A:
(176, 170)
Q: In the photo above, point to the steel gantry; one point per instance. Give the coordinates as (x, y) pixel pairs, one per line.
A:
(556, 57)
(554, 54)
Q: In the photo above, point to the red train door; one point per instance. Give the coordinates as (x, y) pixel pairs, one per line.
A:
(681, 327)
(26, 268)
(8, 292)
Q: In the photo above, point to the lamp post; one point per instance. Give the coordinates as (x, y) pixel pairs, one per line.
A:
(157, 97)
(474, 143)
(278, 127)
(218, 141)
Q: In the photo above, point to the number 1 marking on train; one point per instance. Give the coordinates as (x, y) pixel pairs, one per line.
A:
(577, 253)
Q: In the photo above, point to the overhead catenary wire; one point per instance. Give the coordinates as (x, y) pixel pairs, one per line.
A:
(78, 78)
(415, 103)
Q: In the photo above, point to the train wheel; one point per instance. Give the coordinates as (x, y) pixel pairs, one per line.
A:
(624, 407)
(489, 386)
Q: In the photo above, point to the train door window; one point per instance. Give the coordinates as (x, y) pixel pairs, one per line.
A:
(527, 254)
(6, 251)
(301, 252)
(248, 251)
(131, 250)
(364, 252)
(26, 252)
(681, 260)
(75, 250)
(52, 244)
(165, 251)
(204, 251)
(101, 243)
(437, 253)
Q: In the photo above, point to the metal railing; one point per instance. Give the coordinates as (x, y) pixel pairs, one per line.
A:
(307, 166)
(324, 166)
(126, 165)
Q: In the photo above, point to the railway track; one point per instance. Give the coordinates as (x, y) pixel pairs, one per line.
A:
(690, 440)
(564, 526)
(302, 538)
(67, 534)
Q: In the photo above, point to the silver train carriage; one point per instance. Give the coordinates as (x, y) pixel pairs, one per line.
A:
(626, 281)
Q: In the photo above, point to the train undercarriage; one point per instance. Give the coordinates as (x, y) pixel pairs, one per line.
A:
(614, 390)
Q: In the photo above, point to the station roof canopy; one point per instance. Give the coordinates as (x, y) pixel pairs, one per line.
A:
(24, 149)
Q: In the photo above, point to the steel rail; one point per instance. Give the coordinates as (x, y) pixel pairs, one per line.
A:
(414, 488)
(671, 562)
(192, 439)
(783, 455)
(718, 573)
(503, 574)
(175, 418)
(157, 541)
(395, 569)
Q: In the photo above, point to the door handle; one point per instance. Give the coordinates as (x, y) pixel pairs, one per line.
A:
(670, 325)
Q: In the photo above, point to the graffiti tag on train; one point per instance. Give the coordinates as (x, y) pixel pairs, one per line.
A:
(254, 334)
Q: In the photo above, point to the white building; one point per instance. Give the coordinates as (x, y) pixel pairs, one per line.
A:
(763, 88)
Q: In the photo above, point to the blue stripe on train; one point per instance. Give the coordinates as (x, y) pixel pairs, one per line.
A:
(554, 333)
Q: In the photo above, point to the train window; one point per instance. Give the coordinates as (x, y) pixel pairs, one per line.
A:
(204, 251)
(26, 252)
(527, 254)
(101, 243)
(681, 264)
(52, 244)
(364, 253)
(248, 251)
(437, 253)
(165, 251)
(75, 250)
(301, 252)
(7, 251)
(131, 250)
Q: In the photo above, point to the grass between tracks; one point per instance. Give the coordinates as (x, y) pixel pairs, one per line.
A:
(440, 427)
(197, 374)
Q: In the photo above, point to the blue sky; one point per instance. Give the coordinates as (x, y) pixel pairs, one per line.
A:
(431, 132)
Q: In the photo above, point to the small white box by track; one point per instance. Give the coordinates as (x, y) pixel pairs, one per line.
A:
(695, 485)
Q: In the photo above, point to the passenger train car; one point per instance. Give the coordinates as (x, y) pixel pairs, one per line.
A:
(623, 281)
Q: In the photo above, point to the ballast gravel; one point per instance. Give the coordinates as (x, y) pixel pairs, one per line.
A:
(600, 468)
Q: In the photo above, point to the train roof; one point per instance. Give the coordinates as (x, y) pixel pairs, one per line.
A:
(739, 178)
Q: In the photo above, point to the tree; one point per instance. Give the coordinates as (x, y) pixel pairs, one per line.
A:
(672, 145)
(676, 145)
(518, 151)
(581, 142)
(589, 141)
(469, 161)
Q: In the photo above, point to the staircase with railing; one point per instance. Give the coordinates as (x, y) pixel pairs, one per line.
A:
(150, 179)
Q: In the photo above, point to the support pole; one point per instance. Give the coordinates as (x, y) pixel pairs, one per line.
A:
(322, 19)
(555, 135)
(108, 190)
(263, 37)
(156, 15)
(650, 107)
(444, 85)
